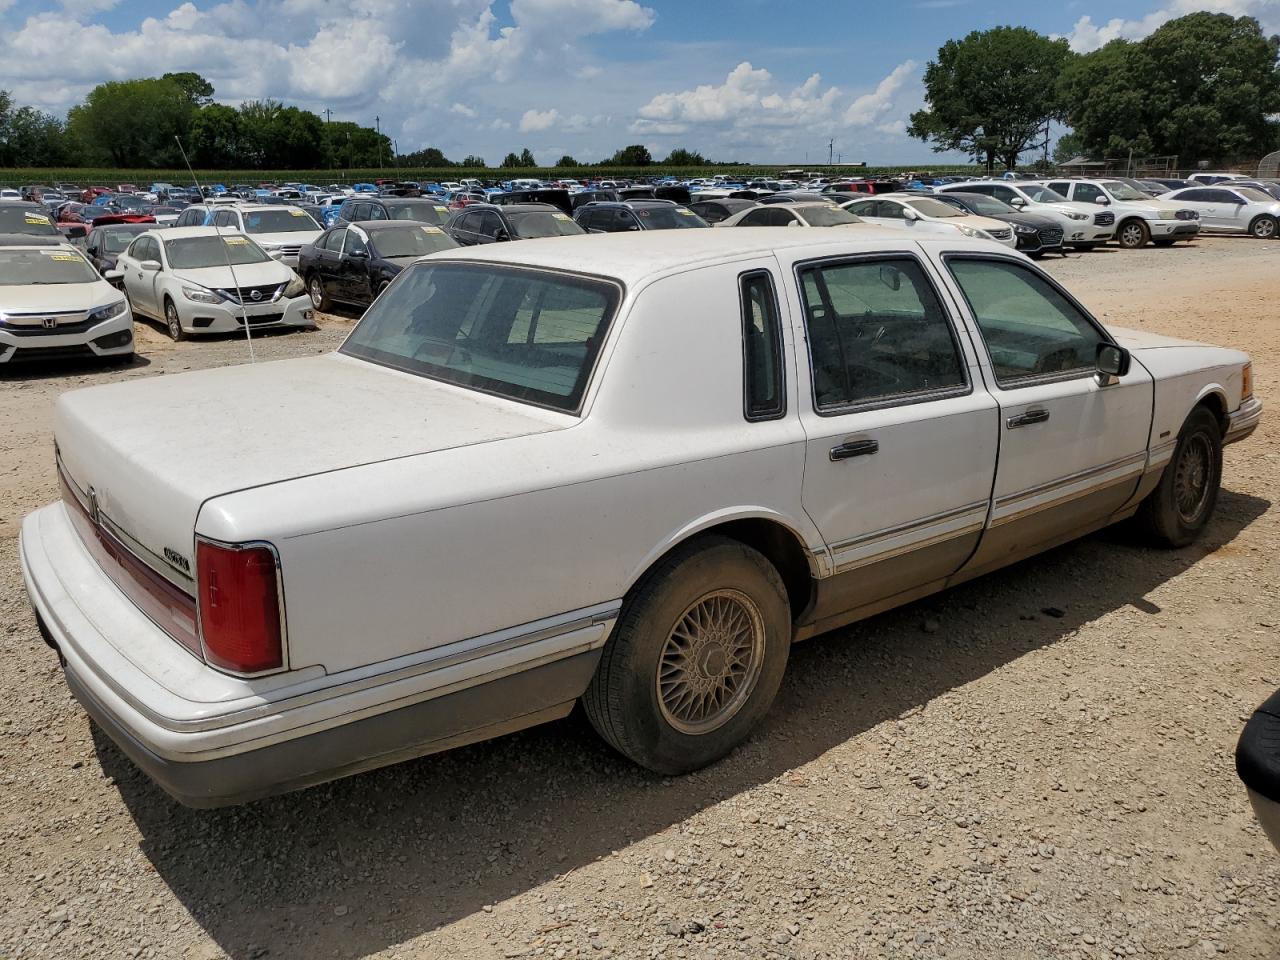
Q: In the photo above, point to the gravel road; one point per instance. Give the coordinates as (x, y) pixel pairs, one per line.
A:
(1035, 764)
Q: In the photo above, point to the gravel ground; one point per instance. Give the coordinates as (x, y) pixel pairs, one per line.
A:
(1035, 764)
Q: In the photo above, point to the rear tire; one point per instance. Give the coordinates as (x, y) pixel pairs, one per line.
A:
(319, 297)
(173, 322)
(1133, 235)
(695, 658)
(1263, 228)
(1180, 507)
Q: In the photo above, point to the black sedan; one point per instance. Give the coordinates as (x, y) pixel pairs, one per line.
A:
(105, 244)
(418, 209)
(1036, 234)
(713, 211)
(352, 263)
(490, 223)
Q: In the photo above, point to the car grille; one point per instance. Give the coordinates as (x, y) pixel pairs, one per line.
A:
(32, 324)
(290, 251)
(1000, 234)
(246, 295)
(1104, 219)
(1051, 237)
(54, 353)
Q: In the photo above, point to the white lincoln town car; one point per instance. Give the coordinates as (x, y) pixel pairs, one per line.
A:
(629, 470)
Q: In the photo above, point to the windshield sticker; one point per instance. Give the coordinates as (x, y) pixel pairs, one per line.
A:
(236, 241)
(36, 218)
(432, 230)
(67, 258)
(562, 216)
(297, 213)
(687, 213)
(442, 209)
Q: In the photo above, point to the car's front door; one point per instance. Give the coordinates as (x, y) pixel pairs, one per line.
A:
(140, 284)
(901, 433)
(1073, 443)
(353, 273)
(1227, 210)
(329, 259)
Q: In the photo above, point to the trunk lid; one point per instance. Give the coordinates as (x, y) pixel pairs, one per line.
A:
(154, 450)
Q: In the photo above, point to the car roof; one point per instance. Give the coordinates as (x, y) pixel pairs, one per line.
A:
(632, 257)
(174, 233)
(30, 240)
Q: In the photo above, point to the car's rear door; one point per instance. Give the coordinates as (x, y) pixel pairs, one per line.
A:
(1073, 444)
(901, 433)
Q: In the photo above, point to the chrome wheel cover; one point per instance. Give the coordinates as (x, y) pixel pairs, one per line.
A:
(1132, 235)
(171, 319)
(316, 289)
(1264, 229)
(1191, 478)
(711, 661)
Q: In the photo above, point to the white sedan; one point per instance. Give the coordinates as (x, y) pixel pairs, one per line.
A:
(811, 213)
(1223, 208)
(210, 280)
(628, 470)
(927, 215)
(55, 305)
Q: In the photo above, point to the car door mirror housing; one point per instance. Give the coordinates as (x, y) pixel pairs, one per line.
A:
(1112, 360)
(502, 235)
(151, 266)
(1101, 200)
(112, 274)
(359, 254)
(1017, 202)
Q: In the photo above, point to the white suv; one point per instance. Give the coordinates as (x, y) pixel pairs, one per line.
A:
(280, 230)
(1139, 218)
(1084, 226)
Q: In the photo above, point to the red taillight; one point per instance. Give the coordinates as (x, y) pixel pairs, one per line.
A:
(239, 607)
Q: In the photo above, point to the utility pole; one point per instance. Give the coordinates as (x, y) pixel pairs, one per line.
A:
(327, 114)
(831, 145)
(377, 124)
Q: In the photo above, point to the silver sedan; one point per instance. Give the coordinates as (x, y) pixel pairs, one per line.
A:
(1226, 209)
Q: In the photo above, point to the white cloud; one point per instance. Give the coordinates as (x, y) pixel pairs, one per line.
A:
(535, 120)
(1087, 35)
(741, 92)
(462, 110)
(871, 107)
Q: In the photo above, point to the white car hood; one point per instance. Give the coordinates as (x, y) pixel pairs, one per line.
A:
(155, 449)
(291, 238)
(242, 275)
(57, 297)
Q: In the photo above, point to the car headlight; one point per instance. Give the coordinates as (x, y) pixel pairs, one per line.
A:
(971, 232)
(201, 295)
(107, 312)
(1024, 228)
(295, 287)
(1078, 216)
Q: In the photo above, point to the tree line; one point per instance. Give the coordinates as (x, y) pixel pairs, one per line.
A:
(1202, 87)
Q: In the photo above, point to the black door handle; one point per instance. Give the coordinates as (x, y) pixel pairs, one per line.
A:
(1028, 418)
(854, 448)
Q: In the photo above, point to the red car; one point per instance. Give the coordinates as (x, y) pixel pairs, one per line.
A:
(92, 193)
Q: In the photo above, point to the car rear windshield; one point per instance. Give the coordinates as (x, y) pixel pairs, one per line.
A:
(279, 221)
(527, 335)
(28, 221)
(20, 267)
(987, 206)
(114, 241)
(410, 240)
(1254, 194)
(668, 217)
(192, 253)
(423, 212)
(543, 223)
(827, 215)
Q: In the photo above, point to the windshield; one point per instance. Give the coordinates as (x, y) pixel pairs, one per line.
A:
(126, 202)
(1122, 191)
(543, 223)
(1254, 195)
(279, 221)
(114, 241)
(28, 221)
(668, 217)
(423, 211)
(410, 241)
(192, 253)
(522, 334)
(987, 206)
(826, 215)
(21, 267)
(936, 208)
(1041, 194)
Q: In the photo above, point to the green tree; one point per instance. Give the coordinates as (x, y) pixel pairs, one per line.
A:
(218, 138)
(471, 160)
(526, 158)
(636, 155)
(991, 93)
(194, 87)
(132, 123)
(681, 157)
(567, 161)
(427, 157)
(346, 144)
(510, 161)
(1202, 87)
(1069, 146)
(35, 138)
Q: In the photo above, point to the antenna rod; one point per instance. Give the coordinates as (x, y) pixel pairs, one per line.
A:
(244, 314)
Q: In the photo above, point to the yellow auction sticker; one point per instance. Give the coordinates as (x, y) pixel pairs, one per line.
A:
(67, 258)
(562, 216)
(236, 241)
(432, 230)
(442, 209)
(298, 213)
(684, 212)
(36, 218)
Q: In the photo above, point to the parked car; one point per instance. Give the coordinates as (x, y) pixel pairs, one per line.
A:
(1084, 226)
(1139, 219)
(195, 215)
(928, 215)
(1035, 233)
(814, 213)
(608, 469)
(557, 198)
(491, 223)
(1258, 765)
(636, 215)
(1226, 208)
(205, 280)
(279, 230)
(716, 211)
(104, 244)
(25, 217)
(1207, 178)
(55, 306)
(418, 209)
(353, 263)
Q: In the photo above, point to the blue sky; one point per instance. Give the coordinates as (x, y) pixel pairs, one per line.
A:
(748, 80)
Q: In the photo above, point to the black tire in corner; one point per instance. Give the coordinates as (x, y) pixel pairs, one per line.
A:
(1133, 234)
(172, 322)
(1180, 507)
(676, 648)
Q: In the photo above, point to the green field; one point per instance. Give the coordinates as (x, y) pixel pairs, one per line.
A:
(101, 176)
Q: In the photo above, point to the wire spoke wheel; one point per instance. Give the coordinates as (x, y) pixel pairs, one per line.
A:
(710, 661)
(1191, 478)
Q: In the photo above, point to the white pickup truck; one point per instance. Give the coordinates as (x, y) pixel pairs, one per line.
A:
(1140, 219)
(629, 470)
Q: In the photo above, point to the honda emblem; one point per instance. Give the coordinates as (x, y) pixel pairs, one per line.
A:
(50, 322)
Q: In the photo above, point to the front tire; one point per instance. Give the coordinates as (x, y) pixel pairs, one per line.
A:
(173, 322)
(319, 298)
(1133, 235)
(695, 659)
(1180, 507)
(1263, 228)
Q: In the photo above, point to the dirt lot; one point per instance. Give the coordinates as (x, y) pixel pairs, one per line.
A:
(968, 777)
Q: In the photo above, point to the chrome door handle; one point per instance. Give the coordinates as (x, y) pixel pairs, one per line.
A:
(1028, 418)
(854, 448)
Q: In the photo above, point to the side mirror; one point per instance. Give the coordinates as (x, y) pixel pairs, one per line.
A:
(1018, 202)
(151, 266)
(1102, 200)
(502, 236)
(910, 215)
(112, 275)
(359, 254)
(1111, 360)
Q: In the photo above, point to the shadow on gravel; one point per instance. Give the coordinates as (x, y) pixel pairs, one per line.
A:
(355, 866)
(21, 370)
